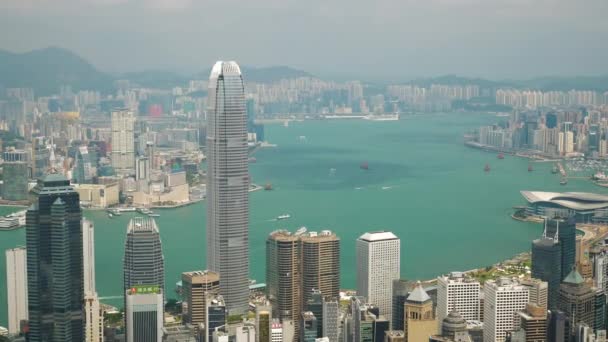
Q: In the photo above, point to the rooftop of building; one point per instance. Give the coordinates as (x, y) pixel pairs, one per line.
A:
(418, 295)
(201, 277)
(142, 224)
(378, 236)
(570, 200)
(225, 68)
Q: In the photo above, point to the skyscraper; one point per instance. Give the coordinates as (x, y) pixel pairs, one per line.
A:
(123, 141)
(378, 264)
(196, 285)
(143, 270)
(283, 275)
(308, 326)
(315, 305)
(400, 293)
(533, 321)
(457, 292)
(320, 265)
(503, 299)
(16, 287)
(92, 309)
(144, 313)
(216, 316)
(54, 251)
(564, 230)
(331, 319)
(577, 300)
(228, 185)
(547, 265)
(143, 260)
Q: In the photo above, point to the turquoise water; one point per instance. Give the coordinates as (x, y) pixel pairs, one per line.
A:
(449, 214)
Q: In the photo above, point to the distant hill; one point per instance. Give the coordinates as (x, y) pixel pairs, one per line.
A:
(46, 70)
(459, 80)
(598, 83)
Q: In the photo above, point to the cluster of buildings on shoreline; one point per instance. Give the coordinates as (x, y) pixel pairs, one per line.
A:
(51, 282)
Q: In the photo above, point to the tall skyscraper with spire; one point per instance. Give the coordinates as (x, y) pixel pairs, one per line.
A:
(547, 263)
(228, 185)
(55, 262)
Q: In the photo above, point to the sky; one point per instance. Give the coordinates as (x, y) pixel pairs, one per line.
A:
(496, 39)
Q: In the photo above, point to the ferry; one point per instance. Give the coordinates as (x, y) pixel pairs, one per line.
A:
(555, 169)
(487, 168)
(153, 215)
(268, 186)
(564, 181)
(530, 168)
(364, 166)
(110, 215)
(382, 117)
(501, 156)
(283, 217)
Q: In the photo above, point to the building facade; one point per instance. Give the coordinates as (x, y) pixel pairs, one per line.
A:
(144, 313)
(16, 287)
(228, 185)
(503, 299)
(55, 251)
(378, 264)
(92, 308)
(457, 292)
(196, 286)
(123, 141)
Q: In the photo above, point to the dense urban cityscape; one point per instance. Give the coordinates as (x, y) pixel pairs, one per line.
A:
(167, 198)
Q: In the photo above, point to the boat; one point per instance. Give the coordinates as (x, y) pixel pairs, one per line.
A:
(364, 166)
(563, 181)
(268, 186)
(252, 160)
(487, 168)
(153, 215)
(501, 156)
(555, 169)
(9, 223)
(530, 168)
(110, 215)
(283, 217)
(387, 187)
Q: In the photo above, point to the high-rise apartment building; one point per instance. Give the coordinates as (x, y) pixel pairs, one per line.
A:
(457, 292)
(378, 264)
(55, 251)
(123, 141)
(144, 313)
(503, 299)
(93, 312)
(320, 260)
(16, 287)
(196, 286)
(228, 185)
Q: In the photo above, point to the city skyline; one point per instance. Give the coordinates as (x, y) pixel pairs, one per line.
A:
(426, 37)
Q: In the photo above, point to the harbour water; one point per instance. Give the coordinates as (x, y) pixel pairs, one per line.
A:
(422, 183)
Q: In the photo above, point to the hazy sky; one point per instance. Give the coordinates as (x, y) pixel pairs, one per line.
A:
(404, 38)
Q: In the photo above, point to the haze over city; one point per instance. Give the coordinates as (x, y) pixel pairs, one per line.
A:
(387, 39)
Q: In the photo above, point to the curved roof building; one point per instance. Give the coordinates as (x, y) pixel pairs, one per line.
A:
(586, 207)
(570, 200)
